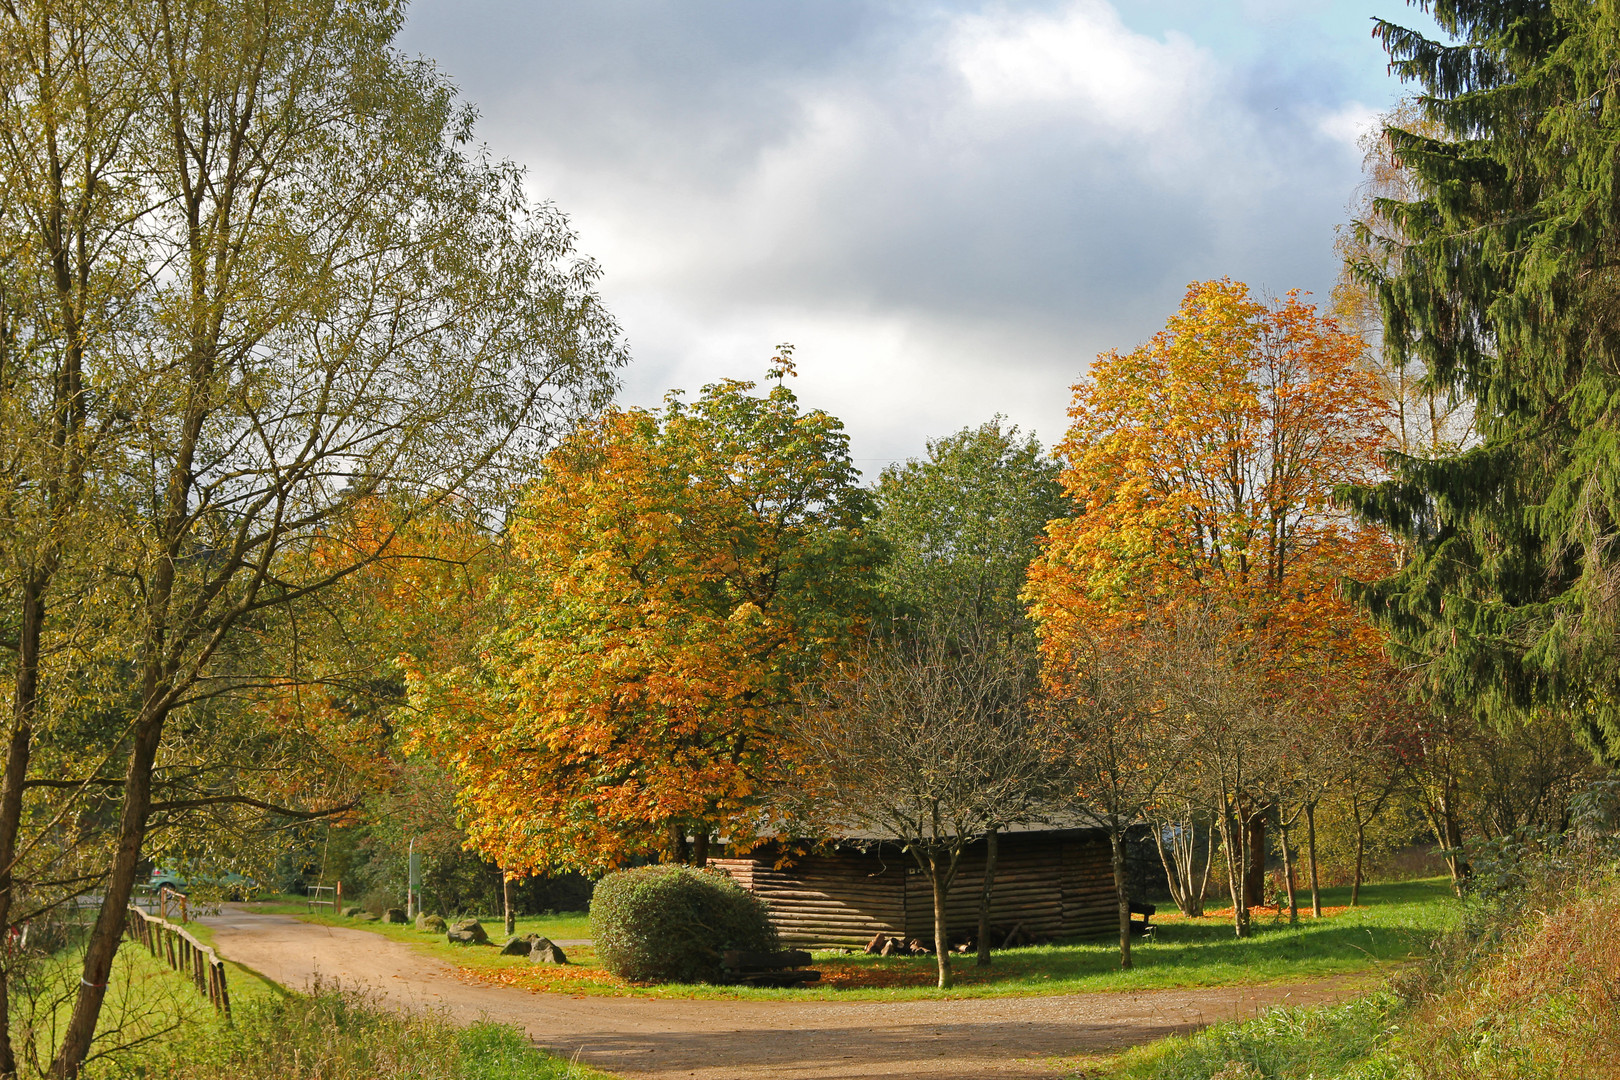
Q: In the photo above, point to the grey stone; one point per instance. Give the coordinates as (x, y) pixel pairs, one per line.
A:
(353, 912)
(467, 932)
(430, 924)
(394, 915)
(546, 951)
(519, 946)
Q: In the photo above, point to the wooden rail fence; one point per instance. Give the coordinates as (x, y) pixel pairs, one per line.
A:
(183, 953)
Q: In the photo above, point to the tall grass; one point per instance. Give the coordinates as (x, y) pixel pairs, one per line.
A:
(336, 1034)
(1528, 987)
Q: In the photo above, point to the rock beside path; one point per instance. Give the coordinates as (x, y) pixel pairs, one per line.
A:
(467, 932)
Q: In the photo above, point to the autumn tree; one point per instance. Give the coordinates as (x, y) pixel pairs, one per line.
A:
(935, 739)
(675, 573)
(254, 278)
(960, 528)
(1202, 467)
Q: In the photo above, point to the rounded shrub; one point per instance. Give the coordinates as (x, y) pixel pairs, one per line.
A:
(669, 923)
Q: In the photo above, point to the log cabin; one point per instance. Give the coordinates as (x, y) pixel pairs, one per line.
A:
(1051, 882)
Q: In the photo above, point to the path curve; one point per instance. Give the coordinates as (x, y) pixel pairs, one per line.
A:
(1014, 1037)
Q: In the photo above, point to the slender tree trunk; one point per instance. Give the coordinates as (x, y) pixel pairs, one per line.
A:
(938, 877)
(1310, 840)
(1172, 873)
(1122, 894)
(1209, 866)
(506, 905)
(991, 845)
(108, 930)
(1361, 848)
(1288, 873)
(23, 709)
(1234, 840)
(700, 847)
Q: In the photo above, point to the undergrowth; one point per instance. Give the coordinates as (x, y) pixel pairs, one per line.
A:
(1527, 986)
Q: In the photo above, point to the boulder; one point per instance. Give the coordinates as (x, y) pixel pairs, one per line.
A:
(467, 932)
(430, 924)
(394, 915)
(353, 912)
(520, 946)
(365, 916)
(546, 951)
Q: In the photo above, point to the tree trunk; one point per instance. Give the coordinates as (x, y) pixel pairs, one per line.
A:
(1234, 841)
(24, 700)
(1255, 830)
(108, 930)
(1122, 895)
(506, 905)
(991, 845)
(700, 847)
(938, 877)
(1452, 838)
(1310, 838)
(677, 844)
(1361, 848)
(1288, 873)
(1172, 872)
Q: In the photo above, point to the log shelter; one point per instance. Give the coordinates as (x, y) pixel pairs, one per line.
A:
(1048, 882)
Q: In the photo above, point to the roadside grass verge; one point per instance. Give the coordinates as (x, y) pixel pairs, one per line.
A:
(1537, 996)
(344, 1035)
(1345, 1041)
(1396, 924)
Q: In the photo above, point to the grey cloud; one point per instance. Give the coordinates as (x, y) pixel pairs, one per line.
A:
(757, 172)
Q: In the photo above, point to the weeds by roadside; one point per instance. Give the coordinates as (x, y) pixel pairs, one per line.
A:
(337, 1034)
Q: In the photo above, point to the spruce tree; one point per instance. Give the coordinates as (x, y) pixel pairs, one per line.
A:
(1501, 278)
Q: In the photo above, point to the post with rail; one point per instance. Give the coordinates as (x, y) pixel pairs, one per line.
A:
(183, 953)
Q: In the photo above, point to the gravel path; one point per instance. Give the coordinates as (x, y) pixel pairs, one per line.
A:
(767, 1040)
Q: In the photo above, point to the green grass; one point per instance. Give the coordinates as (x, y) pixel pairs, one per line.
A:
(342, 1035)
(155, 1024)
(1395, 925)
(1347, 1041)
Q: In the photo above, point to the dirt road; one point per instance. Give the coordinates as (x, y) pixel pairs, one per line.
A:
(756, 1040)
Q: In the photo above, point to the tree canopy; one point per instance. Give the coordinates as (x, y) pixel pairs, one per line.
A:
(674, 575)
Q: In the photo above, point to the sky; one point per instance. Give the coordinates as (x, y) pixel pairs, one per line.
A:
(947, 208)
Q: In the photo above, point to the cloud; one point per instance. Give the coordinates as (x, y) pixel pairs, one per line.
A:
(1084, 61)
(949, 209)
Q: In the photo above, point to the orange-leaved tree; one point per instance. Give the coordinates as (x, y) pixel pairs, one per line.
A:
(1202, 466)
(674, 574)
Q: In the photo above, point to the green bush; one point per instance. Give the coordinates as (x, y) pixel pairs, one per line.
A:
(669, 923)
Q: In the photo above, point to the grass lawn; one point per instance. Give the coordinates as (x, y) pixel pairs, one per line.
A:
(1394, 924)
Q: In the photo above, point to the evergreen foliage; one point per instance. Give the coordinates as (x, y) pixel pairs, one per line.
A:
(1499, 279)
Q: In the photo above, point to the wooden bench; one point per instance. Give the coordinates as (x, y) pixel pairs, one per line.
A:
(768, 968)
(1147, 912)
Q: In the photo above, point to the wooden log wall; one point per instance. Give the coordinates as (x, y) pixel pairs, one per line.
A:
(1052, 884)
